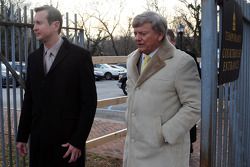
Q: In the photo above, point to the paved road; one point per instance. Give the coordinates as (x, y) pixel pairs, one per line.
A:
(105, 89)
(108, 89)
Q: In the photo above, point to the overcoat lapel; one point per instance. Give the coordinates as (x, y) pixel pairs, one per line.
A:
(134, 67)
(157, 62)
(154, 65)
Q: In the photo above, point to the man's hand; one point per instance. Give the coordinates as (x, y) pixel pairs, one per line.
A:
(22, 148)
(75, 152)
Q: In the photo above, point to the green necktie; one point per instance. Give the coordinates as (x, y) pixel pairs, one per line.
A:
(146, 59)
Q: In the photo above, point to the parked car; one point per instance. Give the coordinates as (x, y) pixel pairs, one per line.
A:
(7, 80)
(124, 70)
(122, 83)
(122, 64)
(98, 74)
(118, 67)
(20, 67)
(109, 72)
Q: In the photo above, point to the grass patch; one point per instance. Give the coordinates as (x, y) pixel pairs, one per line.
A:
(95, 160)
(13, 155)
(92, 159)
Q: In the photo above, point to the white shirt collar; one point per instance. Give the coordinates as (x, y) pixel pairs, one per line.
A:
(55, 48)
(152, 53)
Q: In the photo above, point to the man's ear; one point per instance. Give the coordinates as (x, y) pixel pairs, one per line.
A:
(56, 24)
(161, 37)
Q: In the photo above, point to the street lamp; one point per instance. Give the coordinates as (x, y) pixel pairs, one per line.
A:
(180, 31)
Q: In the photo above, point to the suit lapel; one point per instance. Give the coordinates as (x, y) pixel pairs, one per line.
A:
(40, 61)
(63, 51)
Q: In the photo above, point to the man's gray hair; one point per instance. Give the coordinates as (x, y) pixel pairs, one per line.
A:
(53, 14)
(159, 23)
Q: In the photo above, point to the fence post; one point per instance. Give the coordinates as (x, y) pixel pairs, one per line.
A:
(209, 81)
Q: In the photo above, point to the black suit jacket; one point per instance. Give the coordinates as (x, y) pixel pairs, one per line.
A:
(59, 106)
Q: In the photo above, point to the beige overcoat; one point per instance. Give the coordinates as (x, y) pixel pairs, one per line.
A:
(163, 105)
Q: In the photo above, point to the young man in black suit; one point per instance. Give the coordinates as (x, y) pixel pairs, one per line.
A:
(60, 97)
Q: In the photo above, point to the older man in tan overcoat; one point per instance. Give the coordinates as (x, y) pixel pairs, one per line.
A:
(163, 98)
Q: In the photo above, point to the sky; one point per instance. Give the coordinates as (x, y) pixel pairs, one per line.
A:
(71, 4)
(108, 8)
(130, 6)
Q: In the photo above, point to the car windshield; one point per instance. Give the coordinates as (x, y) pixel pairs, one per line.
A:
(105, 65)
(114, 66)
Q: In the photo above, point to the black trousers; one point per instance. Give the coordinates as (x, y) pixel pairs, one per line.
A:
(53, 157)
(193, 138)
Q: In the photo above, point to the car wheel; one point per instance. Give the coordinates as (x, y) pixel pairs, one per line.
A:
(124, 89)
(97, 79)
(108, 76)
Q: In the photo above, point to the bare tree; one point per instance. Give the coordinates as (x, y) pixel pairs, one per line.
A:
(93, 40)
(126, 41)
(96, 47)
(104, 25)
(16, 3)
(153, 5)
(157, 6)
(191, 18)
(101, 25)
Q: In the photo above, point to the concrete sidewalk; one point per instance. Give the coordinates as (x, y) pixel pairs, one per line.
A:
(115, 148)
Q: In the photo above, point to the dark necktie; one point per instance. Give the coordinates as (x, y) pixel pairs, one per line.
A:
(49, 58)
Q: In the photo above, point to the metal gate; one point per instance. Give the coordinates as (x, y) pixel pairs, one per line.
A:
(225, 130)
(16, 42)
